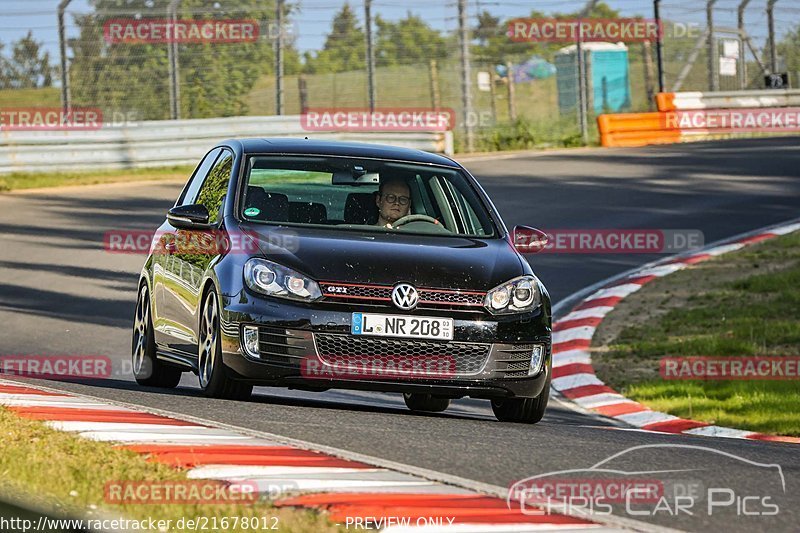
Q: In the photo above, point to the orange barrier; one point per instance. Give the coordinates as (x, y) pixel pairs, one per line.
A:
(635, 129)
(665, 102)
(694, 116)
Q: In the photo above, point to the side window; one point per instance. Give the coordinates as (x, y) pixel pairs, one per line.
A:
(216, 185)
(190, 191)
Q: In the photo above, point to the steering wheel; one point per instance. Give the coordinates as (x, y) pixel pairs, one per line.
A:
(402, 221)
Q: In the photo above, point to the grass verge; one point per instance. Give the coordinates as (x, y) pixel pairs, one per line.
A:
(34, 180)
(745, 303)
(58, 470)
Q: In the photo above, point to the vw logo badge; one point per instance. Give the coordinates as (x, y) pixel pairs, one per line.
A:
(405, 296)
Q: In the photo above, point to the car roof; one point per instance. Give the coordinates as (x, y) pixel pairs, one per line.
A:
(296, 145)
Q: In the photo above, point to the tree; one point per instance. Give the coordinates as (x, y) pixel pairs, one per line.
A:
(488, 27)
(214, 78)
(789, 49)
(494, 44)
(29, 66)
(408, 41)
(4, 69)
(345, 46)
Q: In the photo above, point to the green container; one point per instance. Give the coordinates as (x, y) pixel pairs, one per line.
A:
(608, 81)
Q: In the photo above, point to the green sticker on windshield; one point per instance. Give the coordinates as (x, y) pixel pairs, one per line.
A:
(252, 211)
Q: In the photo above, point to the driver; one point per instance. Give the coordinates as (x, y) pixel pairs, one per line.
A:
(393, 201)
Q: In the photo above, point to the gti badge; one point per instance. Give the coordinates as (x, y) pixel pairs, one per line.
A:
(405, 296)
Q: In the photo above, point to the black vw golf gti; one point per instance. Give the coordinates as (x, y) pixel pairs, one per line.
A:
(317, 265)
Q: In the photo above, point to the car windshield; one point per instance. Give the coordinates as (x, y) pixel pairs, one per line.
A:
(371, 195)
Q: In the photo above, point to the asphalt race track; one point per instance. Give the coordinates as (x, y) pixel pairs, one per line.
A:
(62, 294)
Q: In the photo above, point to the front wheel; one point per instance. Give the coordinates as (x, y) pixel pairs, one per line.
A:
(426, 402)
(210, 368)
(522, 410)
(147, 369)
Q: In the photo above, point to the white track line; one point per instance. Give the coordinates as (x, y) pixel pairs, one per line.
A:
(600, 400)
(573, 334)
(592, 312)
(575, 380)
(569, 357)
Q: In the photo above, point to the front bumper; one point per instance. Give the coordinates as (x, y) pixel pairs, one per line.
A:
(308, 347)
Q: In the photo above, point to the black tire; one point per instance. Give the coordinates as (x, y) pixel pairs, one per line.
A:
(211, 370)
(426, 402)
(147, 369)
(522, 410)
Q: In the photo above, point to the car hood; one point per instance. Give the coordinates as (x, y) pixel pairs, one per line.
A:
(434, 261)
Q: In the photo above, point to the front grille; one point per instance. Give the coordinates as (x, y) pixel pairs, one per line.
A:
(517, 359)
(381, 294)
(463, 358)
(438, 296)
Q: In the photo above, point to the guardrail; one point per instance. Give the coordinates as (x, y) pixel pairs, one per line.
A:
(727, 100)
(693, 116)
(172, 142)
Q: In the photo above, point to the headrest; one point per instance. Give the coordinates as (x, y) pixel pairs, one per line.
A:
(307, 213)
(272, 206)
(360, 208)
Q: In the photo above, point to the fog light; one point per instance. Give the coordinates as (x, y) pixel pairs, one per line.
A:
(250, 341)
(537, 356)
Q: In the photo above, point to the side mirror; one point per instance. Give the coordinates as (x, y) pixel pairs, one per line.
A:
(529, 240)
(194, 216)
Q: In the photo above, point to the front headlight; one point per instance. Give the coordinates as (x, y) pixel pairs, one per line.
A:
(516, 296)
(273, 279)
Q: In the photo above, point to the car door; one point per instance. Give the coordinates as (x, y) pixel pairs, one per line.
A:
(191, 262)
(164, 261)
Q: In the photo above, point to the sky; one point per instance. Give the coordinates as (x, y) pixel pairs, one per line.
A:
(39, 16)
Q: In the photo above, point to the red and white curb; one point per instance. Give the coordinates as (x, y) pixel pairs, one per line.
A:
(574, 377)
(342, 488)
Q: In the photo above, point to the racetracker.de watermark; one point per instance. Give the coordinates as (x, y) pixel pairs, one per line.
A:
(377, 367)
(57, 119)
(610, 241)
(154, 31)
(50, 118)
(380, 119)
(611, 490)
(56, 366)
(199, 242)
(730, 368)
(629, 30)
(186, 492)
(735, 120)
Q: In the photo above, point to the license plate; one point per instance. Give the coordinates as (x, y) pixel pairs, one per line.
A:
(415, 327)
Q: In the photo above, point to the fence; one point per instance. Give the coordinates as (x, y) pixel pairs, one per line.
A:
(263, 58)
(170, 142)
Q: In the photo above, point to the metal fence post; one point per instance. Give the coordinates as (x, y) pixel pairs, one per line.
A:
(742, 34)
(66, 97)
(773, 47)
(370, 53)
(713, 82)
(172, 52)
(436, 100)
(466, 75)
(583, 110)
(512, 95)
(659, 44)
(279, 58)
